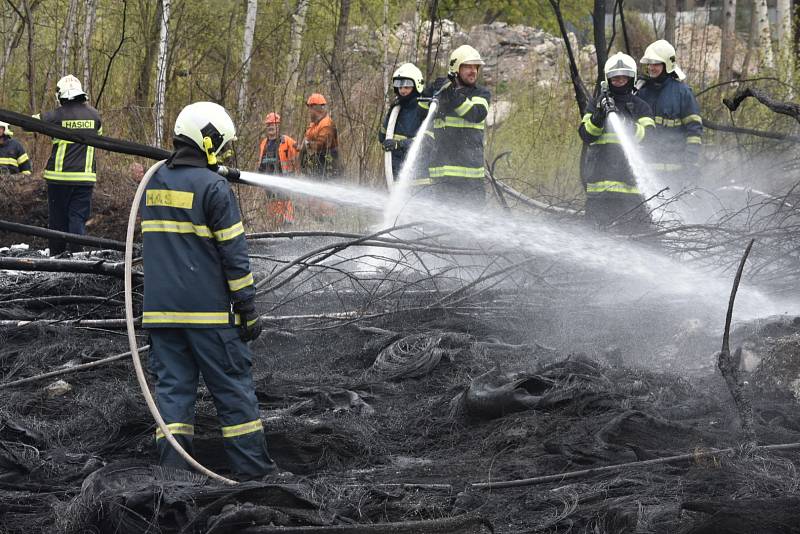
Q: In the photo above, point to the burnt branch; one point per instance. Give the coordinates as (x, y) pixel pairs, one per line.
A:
(783, 108)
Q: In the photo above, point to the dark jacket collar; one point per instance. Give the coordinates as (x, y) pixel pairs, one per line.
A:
(186, 154)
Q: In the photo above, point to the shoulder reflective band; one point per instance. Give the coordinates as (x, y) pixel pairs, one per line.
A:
(175, 227)
(608, 186)
(177, 428)
(240, 430)
(169, 199)
(241, 283)
(179, 317)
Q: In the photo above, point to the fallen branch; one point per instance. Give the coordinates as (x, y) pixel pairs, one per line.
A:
(454, 525)
(783, 108)
(618, 467)
(69, 370)
(96, 323)
(528, 201)
(748, 131)
(58, 300)
(38, 231)
(116, 269)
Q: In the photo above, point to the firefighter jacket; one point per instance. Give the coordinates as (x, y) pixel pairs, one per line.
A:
(606, 171)
(409, 119)
(72, 163)
(678, 136)
(195, 254)
(319, 155)
(456, 150)
(278, 160)
(13, 157)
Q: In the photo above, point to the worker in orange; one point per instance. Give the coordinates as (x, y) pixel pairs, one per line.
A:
(277, 154)
(319, 154)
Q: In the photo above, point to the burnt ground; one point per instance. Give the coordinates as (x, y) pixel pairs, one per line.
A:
(390, 420)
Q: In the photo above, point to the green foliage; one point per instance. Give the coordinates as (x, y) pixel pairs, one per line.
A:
(537, 13)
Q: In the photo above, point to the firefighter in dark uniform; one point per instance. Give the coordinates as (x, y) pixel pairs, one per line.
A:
(13, 158)
(675, 145)
(71, 170)
(408, 84)
(199, 297)
(455, 147)
(612, 194)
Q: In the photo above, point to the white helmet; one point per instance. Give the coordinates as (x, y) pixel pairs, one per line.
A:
(69, 88)
(408, 71)
(208, 125)
(663, 52)
(6, 131)
(620, 65)
(463, 55)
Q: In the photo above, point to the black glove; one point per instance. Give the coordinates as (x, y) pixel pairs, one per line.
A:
(599, 116)
(231, 174)
(250, 327)
(391, 144)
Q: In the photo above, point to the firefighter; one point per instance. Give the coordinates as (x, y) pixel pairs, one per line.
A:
(612, 195)
(71, 170)
(13, 158)
(277, 154)
(408, 84)
(675, 146)
(319, 154)
(199, 297)
(455, 150)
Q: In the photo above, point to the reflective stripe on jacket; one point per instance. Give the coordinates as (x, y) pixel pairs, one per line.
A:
(195, 254)
(13, 157)
(456, 139)
(678, 135)
(287, 154)
(606, 170)
(73, 163)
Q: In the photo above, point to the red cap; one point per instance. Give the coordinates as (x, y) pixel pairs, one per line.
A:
(316, 100)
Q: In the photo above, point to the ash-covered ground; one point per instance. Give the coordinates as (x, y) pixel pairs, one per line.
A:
(391, 390)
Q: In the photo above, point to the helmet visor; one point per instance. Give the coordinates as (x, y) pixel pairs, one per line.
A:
(621, 72)
(650, 61)
(402, 82)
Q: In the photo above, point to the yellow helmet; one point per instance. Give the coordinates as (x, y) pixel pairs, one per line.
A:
(463, 55)
(620, 65)
(662, 52)
(408, 71)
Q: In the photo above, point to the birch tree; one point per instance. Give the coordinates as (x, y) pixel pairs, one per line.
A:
(296, 32)
(247, 53)
(88, 30)
(728, 43)
(764, 37)
(784, 29)
(415, 32)
(386, 72)
(66, 38)
(17, 29)
(161, 72)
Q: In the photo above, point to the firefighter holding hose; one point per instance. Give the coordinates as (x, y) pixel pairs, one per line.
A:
(199, 297)
(612, 195)
(408, 84)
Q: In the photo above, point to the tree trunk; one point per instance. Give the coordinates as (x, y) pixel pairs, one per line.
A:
(599, 23)
(415, 43)
(161, 74)
(152, 24)
(764, 37)
(66, 40)
(88, 30)
(31, 61)
(728, 44)
(670, 13)
(429, 66)
(247, 52)
(339, 42)
(784, 31)
(296, 31)
(386, 68)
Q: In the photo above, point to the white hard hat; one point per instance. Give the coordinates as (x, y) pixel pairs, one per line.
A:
(7, 131)
(463, 55)
(409, 71)
(69, 87)
(663, 52)
(208, 125)
(620, 65)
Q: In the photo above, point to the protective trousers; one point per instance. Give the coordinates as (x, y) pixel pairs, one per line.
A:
(69, 207)
(177, 356)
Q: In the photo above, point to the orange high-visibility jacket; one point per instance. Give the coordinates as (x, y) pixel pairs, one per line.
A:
(320, 153)
(287, 153)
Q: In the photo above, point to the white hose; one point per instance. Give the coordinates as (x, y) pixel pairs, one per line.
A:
(137, 364)
(387, 155)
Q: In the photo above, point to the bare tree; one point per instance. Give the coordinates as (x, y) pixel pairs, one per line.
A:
(247, 52)
(150, 24)
(31, 58)
(66, 38)
(339, 40)
(432, 15)
(784, 30)
(599, 25)
(161, 69)
(415, 36)
(764, 40)
(728, 44)
(386, 68)
(670, 14)
(88, 30)
(296, 31)
(17, 30)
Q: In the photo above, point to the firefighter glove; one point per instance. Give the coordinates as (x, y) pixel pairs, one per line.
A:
(231, 174)
(391, 144)
(250, 326)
